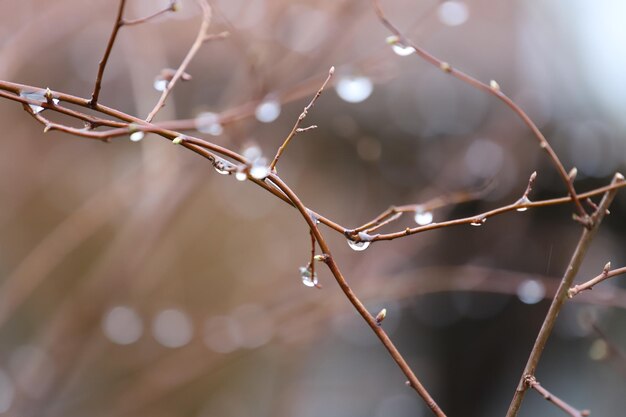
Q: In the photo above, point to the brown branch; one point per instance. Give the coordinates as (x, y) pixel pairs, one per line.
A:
(358, 305)
(105, 58)
(494, 90)
(296, 127)
(560, 297)
(200, 39)
(606, 274)
(534, 384)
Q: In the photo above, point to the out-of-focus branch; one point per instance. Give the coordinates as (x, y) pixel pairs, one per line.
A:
(607, 273)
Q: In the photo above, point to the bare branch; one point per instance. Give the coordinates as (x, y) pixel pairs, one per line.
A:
(606, 274)
(534, 384)
(302, 116)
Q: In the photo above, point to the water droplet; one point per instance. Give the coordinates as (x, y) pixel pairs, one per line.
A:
(531, 291)
(252, 152)
(208, 122)
(38, 96)
(423, 217)
(453, 13)
(136, 136)
(354, 89)
(122, 325)
(222, 166)
(221, 171)
(159, 84)
(259, 169)
(478, 222)
(362, 244)
(241, 176)
(308, 279)
(523, 200)
(398, 47)
(172, 328)
(268, 110)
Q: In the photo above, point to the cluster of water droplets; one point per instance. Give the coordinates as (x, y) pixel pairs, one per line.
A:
(38, 96)
(309, 278)
(259, 168)
(209, 122)
(423, 217)
(268, 110)
(362, 244)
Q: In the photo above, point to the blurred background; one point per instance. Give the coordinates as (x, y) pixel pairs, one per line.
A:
(135, 280)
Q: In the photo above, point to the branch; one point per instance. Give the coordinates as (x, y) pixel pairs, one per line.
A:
(534, 384)
(494, 90)
(200, 39)
(560, 297)
(358, 305)
(172, 7)
(296, 128)
(606, 274)
(103, 63)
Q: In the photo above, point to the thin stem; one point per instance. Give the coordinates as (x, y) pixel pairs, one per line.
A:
(606, 274)
(171, 8)
(358, 305)
(560, 297)
(103, 63)
(534, 384)
(445, 67)
(200, 38)
(296, 127)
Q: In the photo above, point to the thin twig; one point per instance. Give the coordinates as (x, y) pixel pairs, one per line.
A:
(606, 274)
(295, 130)
(105, 58)
(172, 7)
(200, 39)
(534, 384)
(560, 298)
(490, 89)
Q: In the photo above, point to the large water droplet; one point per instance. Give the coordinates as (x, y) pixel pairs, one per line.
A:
(159, 84)
(39, 96)
(453, 13)
(241, 176)
(259, 169)
(423, 217)
(308, 279)
(122, 325)
(531, 291)
(268, 110)
(362, 244)
(136, 136)
(208, 122)
(354, 89)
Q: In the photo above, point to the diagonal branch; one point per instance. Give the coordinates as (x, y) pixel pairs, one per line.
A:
(534, 384)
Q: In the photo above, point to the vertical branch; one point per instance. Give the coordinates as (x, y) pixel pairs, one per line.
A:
(119, 22)
(559, 298)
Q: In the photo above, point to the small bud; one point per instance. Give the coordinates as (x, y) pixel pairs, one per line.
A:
(175, 7)
(445, 67)
(606, 268)
(133, 127)
(381, 315)
(331, 71)
(321, 258)
(494, 85)
(543, 145)
(392, 40)
(533, 176)
(572, 174)
(47, 128)
(178, 140)
(407, 383)
(619, 176)
(48, 95)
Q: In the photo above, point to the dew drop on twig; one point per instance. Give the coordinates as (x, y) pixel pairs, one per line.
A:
(136, 136)
(398, 47)
(308, 279)
(478, 222)
(38, 96)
